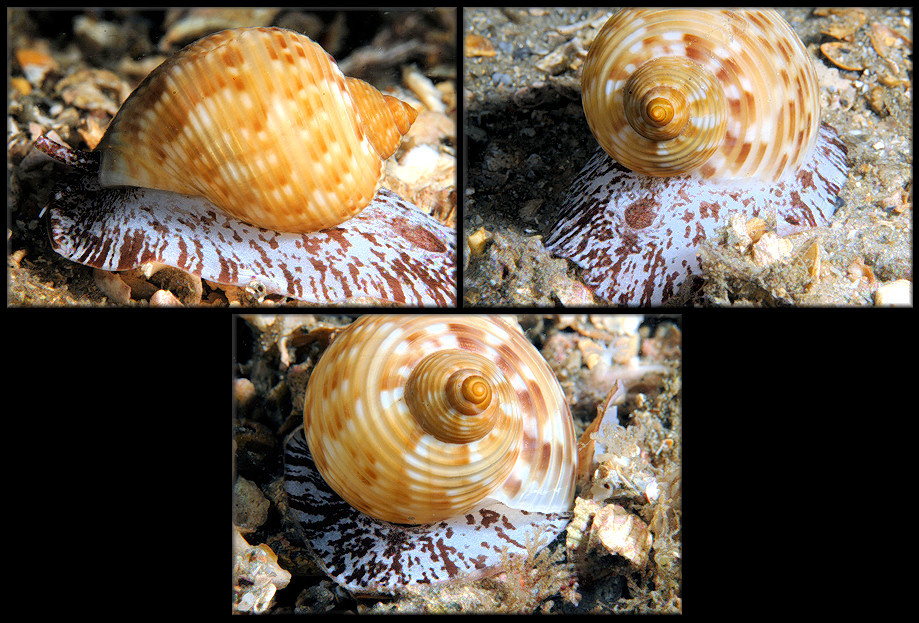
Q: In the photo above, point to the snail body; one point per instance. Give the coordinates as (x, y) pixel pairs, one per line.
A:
(390, 252)
(436, 442)
(699, 113)
(263, 124)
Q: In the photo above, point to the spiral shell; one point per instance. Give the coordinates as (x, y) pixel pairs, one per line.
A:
(716, 94)
(418, 419)
(262, 123)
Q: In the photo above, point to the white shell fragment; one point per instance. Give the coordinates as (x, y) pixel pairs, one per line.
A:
(897, 293)
(369, 556)
(636, 237)
(256, 575)
(390, 252)
(620, 532)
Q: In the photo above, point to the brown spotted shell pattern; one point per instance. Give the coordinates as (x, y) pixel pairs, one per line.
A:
(416, 419)
(717, 94)
(262, 123)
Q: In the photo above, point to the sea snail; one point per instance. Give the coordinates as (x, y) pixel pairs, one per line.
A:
(209, 122)
(700, 113)
(258, 127)
(440, 440)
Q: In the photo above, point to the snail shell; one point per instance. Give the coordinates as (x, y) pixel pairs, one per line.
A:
(716, 94)
(262, 123)
(416, 419)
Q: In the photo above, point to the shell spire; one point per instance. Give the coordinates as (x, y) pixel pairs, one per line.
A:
(384, 118)
(260, 122)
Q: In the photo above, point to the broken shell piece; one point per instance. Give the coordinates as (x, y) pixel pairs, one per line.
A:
(607, 414)
(35, 64)
(256, 576)
(857, 271)
(883, 38)
(745, 232)
(842, 55)
(113, 286)
(771, 248)
(164, 298)
(813, 258)
(625, 473)
(478, 239)
(598, 530)
(845, 23)
(620, 532)
(171, 286)
(477, 45)
(608, 452)
(579, 529)
(897, 293)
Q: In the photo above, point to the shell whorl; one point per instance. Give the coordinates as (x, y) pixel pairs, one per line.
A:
(716, 94)
(262, 123)
(458, 397)
(501, 430)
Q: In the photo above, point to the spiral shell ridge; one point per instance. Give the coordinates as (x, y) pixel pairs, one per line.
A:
(458, 397)
(261, 122)
(740, 83)
(384, 118)
(364, 434)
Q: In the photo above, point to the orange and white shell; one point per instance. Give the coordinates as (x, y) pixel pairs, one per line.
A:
(713, 93)
(262, 123)
(416, 419)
